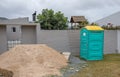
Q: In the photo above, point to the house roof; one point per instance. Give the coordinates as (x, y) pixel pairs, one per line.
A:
(77, 19)
(17, 21)
(113, 19)
(24, 24)
(93, 28)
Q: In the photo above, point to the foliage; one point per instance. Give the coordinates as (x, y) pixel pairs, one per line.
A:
(83, 24)
(50, 20)
(110, 28)
(94, 24)
(80, 25)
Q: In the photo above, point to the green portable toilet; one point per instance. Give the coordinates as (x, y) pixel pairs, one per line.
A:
(91, 43)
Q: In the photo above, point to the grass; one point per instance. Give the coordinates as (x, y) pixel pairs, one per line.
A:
(109, 67)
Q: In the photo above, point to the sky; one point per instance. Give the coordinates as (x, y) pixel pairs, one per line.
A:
(93, 10)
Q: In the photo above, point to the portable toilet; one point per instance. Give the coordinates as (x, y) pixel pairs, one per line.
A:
(91, 43)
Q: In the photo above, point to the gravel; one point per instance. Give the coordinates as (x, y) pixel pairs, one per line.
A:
(75, 64)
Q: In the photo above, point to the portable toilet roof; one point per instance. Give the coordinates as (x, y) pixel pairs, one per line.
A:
(93, 28)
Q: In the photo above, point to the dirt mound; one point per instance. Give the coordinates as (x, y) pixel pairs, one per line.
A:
(32, 61)
(5, 73)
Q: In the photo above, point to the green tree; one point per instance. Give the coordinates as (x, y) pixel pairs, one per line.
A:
(83, 24)
(94, 24)
(50, 20)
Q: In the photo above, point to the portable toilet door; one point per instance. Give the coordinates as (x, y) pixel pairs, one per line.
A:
(91, 43)
(84, 43)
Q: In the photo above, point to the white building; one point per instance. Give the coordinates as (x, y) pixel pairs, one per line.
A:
(113, 19)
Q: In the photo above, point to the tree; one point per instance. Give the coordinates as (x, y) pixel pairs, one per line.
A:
(50, 20)
(83, 24)
(94, 24)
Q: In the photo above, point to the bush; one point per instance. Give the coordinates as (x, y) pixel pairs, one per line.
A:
(110, 28)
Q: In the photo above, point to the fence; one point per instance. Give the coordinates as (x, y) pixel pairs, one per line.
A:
(66, 40)
(69, 40)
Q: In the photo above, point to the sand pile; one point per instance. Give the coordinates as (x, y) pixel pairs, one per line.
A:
(5, 73)
(32, 61)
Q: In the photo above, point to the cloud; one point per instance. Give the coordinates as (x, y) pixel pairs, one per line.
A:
(91, 9)
(12, 8)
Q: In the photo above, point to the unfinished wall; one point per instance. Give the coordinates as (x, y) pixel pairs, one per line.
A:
(61, 40)
(74, 38)
(110, 41)
(14, 35)
(118, 41)
(68, 40)
(57, 39)
(3, 39)
(28, 34)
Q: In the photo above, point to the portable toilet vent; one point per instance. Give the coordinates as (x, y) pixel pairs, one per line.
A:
(91, 43)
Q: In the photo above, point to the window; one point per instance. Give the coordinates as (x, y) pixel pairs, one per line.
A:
(13, 29)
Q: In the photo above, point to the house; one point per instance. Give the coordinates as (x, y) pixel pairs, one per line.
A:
(17, 31)
(112, 20)
(76, 20)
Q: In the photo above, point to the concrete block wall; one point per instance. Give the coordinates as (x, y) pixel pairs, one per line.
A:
(118, 41)
(110, 41)
(13, 35)
(57, 39)
(74, 38)
(28, 35)
(68, 40)
(62, 40)
(3, 39)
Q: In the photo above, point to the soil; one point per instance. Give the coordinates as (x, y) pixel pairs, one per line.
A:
(33, 61)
